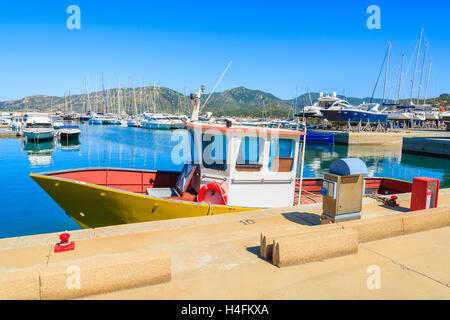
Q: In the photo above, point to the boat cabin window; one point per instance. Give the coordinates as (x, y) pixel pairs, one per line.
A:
(282, 155)
(250, 154)
(39, 125)
(214, 149)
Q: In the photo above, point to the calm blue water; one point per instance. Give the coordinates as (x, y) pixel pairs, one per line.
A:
(25, 209)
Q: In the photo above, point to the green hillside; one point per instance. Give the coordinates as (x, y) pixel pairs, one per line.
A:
(239, 101)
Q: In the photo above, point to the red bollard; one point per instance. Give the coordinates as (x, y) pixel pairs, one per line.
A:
(64, 245)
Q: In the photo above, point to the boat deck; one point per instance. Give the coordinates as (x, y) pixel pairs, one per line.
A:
(217, 257)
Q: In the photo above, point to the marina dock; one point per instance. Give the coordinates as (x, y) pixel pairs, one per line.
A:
(218, 257)
(434, 146)
(383, 138)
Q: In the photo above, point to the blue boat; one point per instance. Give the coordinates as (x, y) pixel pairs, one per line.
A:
(316, 137)
(344, 113)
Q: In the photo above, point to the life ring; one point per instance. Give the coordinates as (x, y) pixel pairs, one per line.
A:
(214, 186)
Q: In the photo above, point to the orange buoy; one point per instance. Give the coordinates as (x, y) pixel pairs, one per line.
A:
(215, 187)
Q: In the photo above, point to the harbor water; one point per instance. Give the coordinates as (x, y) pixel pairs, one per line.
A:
(25, 209)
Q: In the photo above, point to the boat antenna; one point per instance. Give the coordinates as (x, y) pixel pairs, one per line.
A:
(217, 84)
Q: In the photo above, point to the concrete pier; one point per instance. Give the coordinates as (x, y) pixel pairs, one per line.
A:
(434, 146)
(218, 257)
(382, 138)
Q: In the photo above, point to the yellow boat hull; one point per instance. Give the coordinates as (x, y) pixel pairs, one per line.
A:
(94, 206)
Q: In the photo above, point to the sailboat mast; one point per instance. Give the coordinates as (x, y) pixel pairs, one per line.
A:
(400, 81)
(134, 98)
(415, 66)
(428, 81)
(104, 93)
(423, 69)
(96, 92)
(118, 97)
(387, 71)
(88, 108)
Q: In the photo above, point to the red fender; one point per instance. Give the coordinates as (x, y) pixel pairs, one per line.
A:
(215, 187)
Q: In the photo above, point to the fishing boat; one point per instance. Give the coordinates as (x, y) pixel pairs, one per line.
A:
(38, 128)
(224, 175)
(232, 169)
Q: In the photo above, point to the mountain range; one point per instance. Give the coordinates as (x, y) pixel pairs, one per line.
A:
(239, 101)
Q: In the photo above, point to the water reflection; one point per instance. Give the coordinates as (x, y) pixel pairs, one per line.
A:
(70, 145)
(39, 154)
(381, 161)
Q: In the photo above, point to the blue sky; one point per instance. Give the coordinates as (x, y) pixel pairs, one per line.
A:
(274, 45)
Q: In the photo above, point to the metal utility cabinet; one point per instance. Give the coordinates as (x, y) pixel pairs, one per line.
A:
(343, 190)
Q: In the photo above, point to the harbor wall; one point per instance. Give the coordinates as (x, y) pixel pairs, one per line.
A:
(434, 146)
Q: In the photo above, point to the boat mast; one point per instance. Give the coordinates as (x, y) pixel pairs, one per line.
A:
(118, 97)
(400, 81)
(104, 93)
(108, 99)
(88, 108)
(428, 81)
(423, 69)
(134, 98)
(415, 66)
(309, 95)
(387, 71)
(96, 92)
(196, 99)
(70, 106)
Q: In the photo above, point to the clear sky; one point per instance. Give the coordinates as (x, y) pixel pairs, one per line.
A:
(274, 45)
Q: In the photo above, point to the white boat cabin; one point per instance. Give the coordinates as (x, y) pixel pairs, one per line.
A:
(256, 167)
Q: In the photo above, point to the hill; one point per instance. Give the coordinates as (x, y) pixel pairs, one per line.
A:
(239, 101)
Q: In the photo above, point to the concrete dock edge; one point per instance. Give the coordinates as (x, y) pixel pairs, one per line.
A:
(20, 285)
(314, 246)
(104, 274)
(426, 220)
(376, 228)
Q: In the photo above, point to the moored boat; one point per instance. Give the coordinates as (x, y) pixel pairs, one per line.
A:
(232, 169)
(342, 112)
(38, 128)
(69, 132)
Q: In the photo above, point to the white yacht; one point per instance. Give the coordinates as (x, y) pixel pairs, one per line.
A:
(57, 122)
(38, 128)
(160, 122)
(69, 131)
(324, 102)
(445, 116)
(17, 122)
(5, 119)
